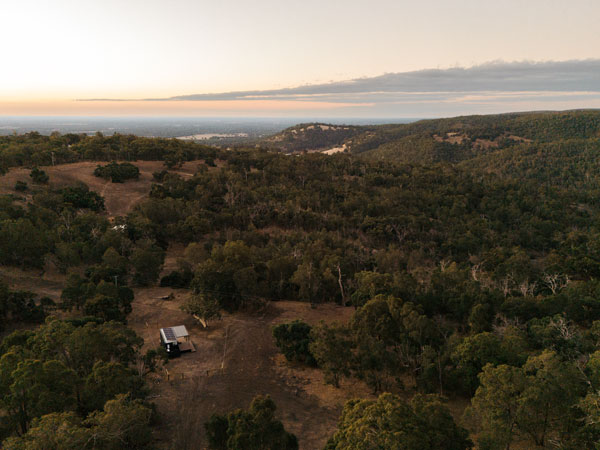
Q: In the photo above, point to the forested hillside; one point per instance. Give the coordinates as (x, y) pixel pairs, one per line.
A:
(468, 247)
(311, 136)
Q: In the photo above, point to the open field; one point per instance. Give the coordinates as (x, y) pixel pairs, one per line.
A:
(120, 198)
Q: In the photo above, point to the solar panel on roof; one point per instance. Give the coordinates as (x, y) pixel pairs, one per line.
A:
(169, 334)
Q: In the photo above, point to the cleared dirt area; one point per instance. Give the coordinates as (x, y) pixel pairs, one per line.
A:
(236, 359)
(119, 198)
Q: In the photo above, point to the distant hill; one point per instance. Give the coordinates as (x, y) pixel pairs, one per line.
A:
(452, 139)
(553, 148)
(465, 137)
(313, 136)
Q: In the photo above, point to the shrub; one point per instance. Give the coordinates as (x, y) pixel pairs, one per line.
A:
(254, 428)
(80, 196)
(293, 340)
(159, 176)
(117, 173)
(177, 279)
(21, 186)
(39, 176)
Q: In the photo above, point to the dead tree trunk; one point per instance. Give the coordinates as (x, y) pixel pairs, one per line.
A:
(341, 285)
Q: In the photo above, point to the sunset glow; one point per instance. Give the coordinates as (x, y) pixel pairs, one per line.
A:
(58, 51)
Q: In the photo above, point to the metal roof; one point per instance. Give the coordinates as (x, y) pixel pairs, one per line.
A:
(170, 334)
(180, 331)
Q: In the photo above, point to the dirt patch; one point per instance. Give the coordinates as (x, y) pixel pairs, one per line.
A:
(236, 359)
(451, 138)
(519, 138)
(119, 198)
(334, 150)
(485, 144)
(48, 283)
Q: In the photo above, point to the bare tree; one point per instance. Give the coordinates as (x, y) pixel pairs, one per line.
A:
(444, 263)
(341, 285)
(505, 285)
(476, 271)
(526, 288)
(555, 282)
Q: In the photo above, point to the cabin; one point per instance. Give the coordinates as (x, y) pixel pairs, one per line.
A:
(176, 340)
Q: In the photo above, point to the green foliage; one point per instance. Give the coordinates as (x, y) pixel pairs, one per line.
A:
(104, 300)
(252, 429)
(329, 346)
(204, 306)
(390, 336)
(369, 285)
(118, 172)
(22, 243)
(312, 136)
(228, 276)
(473, 353)
(468, 246)
(21, 186)
(177, 279)
(535, 402)
(107, 380)
(159, 176)
(20, 306)
(293, 340)
(391, 423)
(38, 176)
(31, 388)
(63, 367)
(80, 196)
(147, 260)
(122, 424)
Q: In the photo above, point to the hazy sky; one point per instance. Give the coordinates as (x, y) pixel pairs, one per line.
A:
(56, 51)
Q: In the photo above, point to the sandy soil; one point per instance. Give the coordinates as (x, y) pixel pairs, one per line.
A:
(334, 150)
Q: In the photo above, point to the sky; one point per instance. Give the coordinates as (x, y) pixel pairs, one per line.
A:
(351, 58)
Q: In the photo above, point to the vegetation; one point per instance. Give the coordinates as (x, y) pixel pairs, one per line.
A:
(468, 248)
(118, 173)
(39, 176)
(390, 423)
(121, 424)
(65, 367)
(293, 340)
(252, 429)
(20, 306)
(312, 136)
(21, 186)
(33, 149)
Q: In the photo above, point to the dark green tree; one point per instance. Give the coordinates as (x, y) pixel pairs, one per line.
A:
(253, 429)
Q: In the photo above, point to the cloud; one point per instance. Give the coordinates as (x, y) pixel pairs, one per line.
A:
(565, 76)
(496, 86)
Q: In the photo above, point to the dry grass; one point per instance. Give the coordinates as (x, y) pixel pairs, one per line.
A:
(120, 198)
(236, 359)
